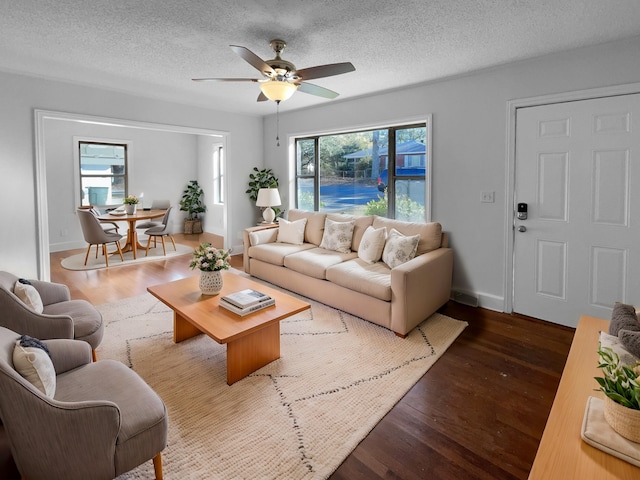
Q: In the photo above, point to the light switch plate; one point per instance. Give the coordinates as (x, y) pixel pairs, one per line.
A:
(487, 197)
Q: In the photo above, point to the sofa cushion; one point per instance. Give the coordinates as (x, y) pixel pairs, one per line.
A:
(337, 235)
(315, 224)
(275, 253)
(291, 232)
(430, 233)
(362, 222)
(399, 248)
(372, 244)
(373, 279)
(314, 262)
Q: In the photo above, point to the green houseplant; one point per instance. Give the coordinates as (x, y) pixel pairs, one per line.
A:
(192, 203)
(264, 178)
(621, 386)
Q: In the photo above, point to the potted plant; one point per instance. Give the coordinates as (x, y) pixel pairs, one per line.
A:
(621, 387)
(264, 178)
(192, 203)
(210, 261)
(130, 204)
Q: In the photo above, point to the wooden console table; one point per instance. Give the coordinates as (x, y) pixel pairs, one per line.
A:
(562, 454)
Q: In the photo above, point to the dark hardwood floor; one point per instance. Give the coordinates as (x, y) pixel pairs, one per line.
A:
(478, 413)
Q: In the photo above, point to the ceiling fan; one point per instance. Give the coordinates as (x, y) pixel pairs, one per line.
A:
(280, 77)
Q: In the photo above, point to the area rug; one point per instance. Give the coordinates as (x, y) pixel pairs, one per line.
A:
(76, 262)
(298, 417)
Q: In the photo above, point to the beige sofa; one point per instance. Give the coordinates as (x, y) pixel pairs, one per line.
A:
(398, 299)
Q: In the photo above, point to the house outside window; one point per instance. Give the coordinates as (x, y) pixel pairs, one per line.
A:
(350, 173)
(103, 173)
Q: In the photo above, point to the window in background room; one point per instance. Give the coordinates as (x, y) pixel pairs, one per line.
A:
(218, 174)
(103, 173)
(373, 172)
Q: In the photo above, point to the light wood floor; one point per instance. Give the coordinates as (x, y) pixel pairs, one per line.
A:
(478, 413)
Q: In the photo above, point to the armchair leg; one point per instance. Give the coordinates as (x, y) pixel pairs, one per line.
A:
(157, 465)
(94, 355)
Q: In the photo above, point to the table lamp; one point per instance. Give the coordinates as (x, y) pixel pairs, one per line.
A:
(268, 197)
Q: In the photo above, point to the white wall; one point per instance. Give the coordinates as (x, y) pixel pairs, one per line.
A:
(159, 164)
(20, 95)
(469, 144)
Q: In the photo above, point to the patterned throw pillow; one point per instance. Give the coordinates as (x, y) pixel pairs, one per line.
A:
(291, 232)
(399, 249)
(372, 244)
(29, 295)
(337, 236)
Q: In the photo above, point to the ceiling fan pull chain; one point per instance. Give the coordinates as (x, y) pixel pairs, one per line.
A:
(277, 123)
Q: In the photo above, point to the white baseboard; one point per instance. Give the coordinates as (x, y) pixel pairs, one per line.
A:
(476, 299)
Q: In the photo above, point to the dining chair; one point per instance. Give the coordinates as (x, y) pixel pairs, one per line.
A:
(155, 205)
(94, 234)
(106, 226)
(166, 229)
(67, 417)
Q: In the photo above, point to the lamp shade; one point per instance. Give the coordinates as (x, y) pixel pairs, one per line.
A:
(268, 197)
(278, 91)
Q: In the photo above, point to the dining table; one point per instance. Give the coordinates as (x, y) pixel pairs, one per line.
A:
(132, 235)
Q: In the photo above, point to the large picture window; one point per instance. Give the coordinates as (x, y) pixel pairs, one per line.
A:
(103, 173)
(373, 172)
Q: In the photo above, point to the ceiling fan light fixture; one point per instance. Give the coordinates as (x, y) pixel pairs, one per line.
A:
(277, 90)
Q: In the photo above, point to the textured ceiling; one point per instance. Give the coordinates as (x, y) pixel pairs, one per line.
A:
(155, 47)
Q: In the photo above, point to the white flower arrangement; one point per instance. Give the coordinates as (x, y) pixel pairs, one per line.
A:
(210, 259)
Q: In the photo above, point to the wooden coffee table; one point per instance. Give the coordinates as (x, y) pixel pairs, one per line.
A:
(252, 341)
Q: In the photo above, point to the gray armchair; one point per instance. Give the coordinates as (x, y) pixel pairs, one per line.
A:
(163, 230)
(60, 318)
(94, 234)
(102, 421)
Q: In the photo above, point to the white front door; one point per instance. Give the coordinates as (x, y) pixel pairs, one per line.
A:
(578, 171)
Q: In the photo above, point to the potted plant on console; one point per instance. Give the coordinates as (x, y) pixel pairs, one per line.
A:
(621, 386)
(192, 203)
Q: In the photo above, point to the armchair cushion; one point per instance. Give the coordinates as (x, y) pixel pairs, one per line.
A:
(35, 365)
(29, 295)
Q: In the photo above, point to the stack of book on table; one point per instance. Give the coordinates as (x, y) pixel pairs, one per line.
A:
(246, 301)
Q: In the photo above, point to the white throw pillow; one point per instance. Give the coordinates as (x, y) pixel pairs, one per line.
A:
(399, 249)
(372, 244)
(337, 236)
(291, 232)
(35, 366)
(29, 295)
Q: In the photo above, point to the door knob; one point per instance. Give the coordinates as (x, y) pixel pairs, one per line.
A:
(522, 228)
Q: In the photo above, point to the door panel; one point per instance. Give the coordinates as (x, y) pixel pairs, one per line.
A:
(576, 163)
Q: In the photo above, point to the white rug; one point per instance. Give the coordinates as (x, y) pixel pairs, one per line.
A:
(76, 262)
(296, 418)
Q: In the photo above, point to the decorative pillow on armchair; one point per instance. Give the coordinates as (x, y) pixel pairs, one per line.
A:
(337, 236)
(399, 249)
(291, 232)
(31, 360)
(29, 295)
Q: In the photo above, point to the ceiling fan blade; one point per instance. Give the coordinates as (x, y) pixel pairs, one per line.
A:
(254, 60)
(316, 90)
(328, 70)
(225, 79)
(262, 97)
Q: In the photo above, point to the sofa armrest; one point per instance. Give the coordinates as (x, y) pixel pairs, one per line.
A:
(256, 236)
(419, 287)
(51, 292)
(68, 354)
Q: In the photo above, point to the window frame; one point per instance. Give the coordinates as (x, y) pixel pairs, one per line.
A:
(78, 192)
(392, 127)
